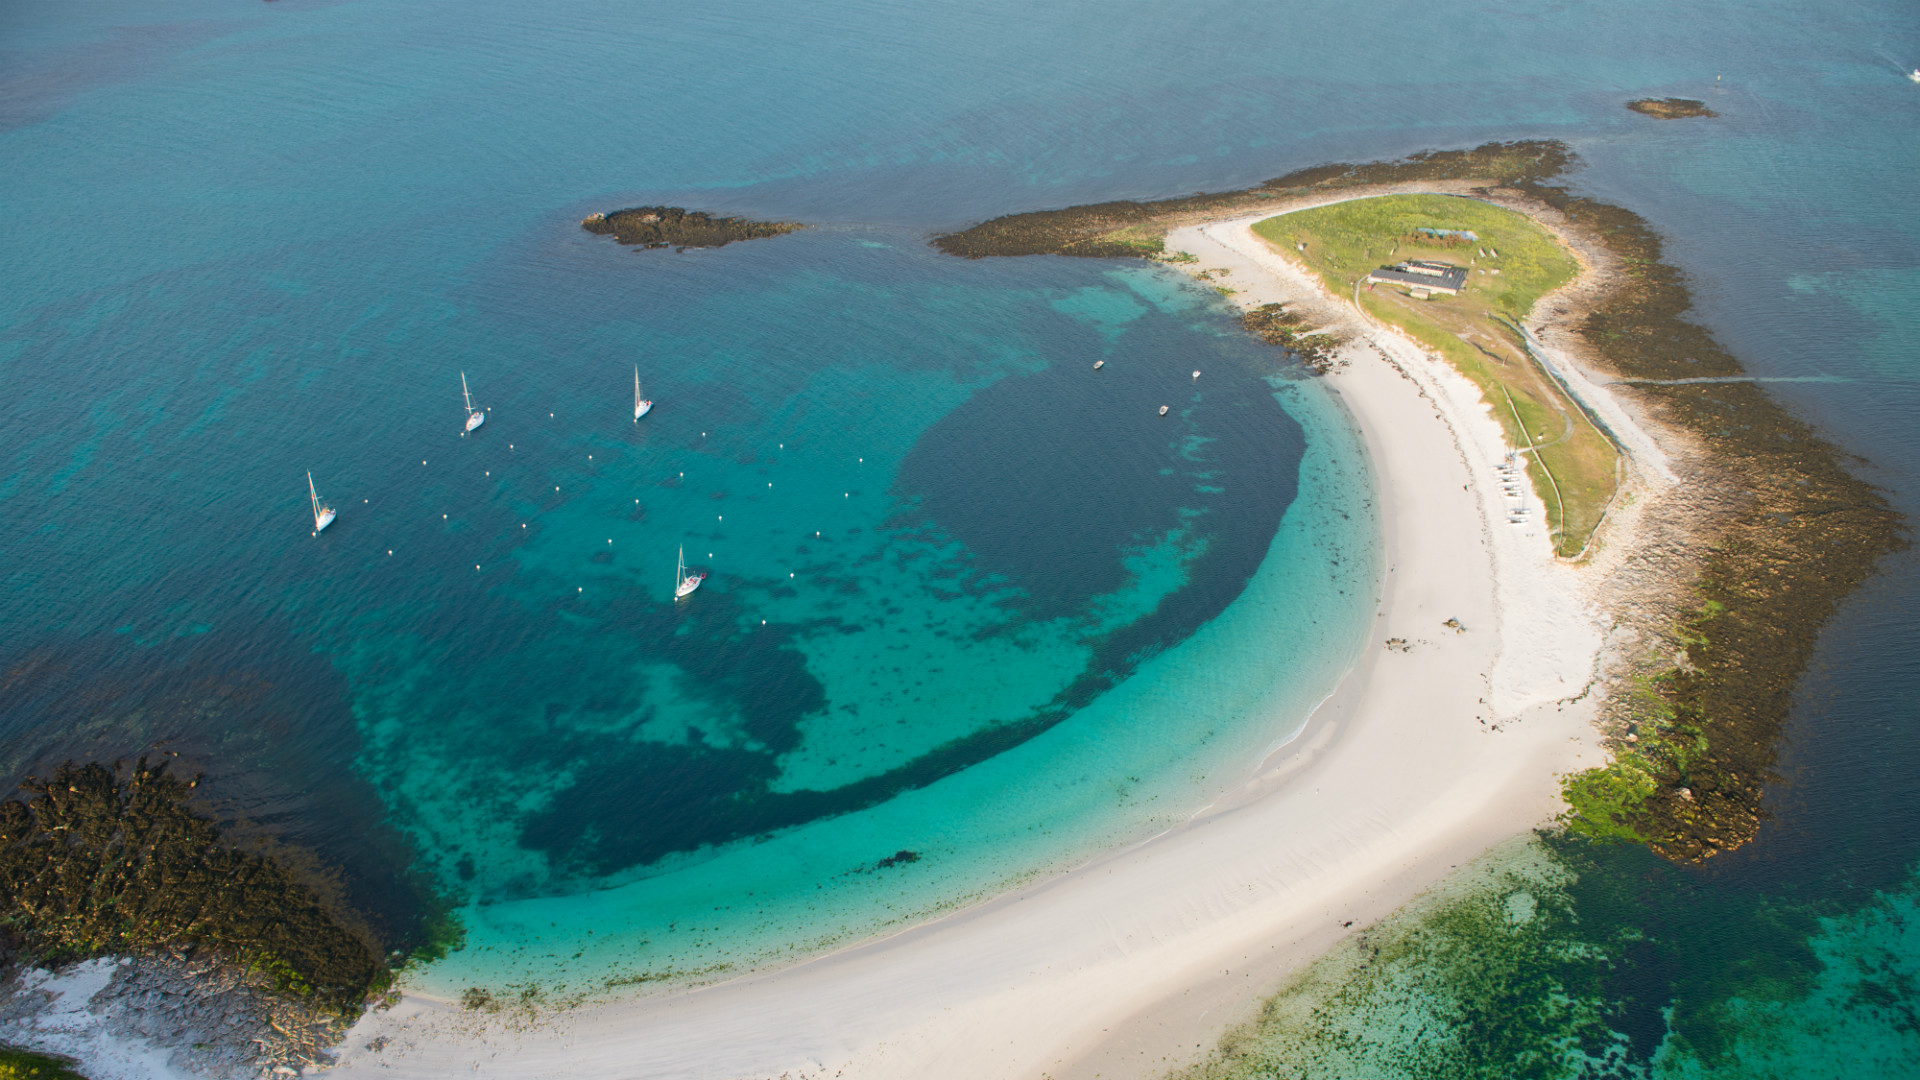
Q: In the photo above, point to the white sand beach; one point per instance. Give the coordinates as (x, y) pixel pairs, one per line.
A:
(1135, 963)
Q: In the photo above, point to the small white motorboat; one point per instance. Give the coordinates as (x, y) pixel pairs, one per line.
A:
(474, 416)
(323, 514)
(1098, 364)
(1914, 75)
(683, 582)
(640, 404)
(1163, 410)
(1196, 374)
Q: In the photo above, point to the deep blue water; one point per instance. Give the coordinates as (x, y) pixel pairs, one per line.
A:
(246, 240)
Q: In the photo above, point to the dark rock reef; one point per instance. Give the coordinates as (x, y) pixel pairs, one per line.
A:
(676, 227)
(98, 862)
(1673, 108)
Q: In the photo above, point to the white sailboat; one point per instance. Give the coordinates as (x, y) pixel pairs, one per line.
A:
(323, 514)
(683, 582)
(640, 404)
(474, 416)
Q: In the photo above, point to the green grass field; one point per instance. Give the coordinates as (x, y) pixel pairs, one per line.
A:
(18, 1064)
(1511, 264)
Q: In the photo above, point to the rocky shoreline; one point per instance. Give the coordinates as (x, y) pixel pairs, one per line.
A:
(116, 890)
(201, 1014)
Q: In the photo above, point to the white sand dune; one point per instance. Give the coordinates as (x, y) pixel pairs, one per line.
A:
(1136, 962)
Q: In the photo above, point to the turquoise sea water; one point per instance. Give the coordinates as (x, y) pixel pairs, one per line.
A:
(1028, 619)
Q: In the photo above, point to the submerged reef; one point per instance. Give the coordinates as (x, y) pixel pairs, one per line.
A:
(1792, 533)
(676, 227)
(1673, 108)
(97, 862)
(1538, 960)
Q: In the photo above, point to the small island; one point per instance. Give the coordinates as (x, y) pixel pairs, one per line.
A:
(678, 227)
(1784, 530)
(1673, 108)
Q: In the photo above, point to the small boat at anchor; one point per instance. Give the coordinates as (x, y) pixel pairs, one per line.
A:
(640, 404)
(1163, 410)
(323, 514)
(683, 582)
(1098, 364)
(474, 416)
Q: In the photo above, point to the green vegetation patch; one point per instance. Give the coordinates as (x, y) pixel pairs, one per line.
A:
(18, 1064)
(678, 227)
(1347, 240)
(1511, 262)
(93, 863)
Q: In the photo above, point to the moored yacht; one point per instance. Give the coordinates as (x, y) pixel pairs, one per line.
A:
(474, 416)
(683, 582)
(323, 514)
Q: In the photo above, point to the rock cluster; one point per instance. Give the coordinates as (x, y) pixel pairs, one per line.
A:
(1274, 324)
(218, 1020)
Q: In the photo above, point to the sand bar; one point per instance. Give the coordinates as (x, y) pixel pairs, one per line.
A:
(1423, 758)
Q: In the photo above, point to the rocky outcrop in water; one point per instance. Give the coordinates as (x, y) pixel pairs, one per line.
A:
(1673, 108)
(676, 227)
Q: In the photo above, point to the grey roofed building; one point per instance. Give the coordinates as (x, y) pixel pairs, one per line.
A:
(1432, 276)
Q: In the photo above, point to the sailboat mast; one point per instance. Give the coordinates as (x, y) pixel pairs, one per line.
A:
(314, 495)
(465, 393)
